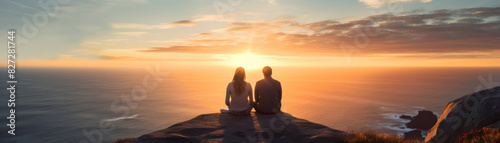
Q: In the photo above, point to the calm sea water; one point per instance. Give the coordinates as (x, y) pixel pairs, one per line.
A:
(57, 105)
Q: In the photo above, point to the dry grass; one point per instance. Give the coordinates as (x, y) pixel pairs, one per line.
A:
(374, 137)
(484, 135)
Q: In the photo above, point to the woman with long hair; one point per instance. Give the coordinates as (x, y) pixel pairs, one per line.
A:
(239, 97)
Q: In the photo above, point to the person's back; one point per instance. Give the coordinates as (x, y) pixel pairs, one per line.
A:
(239, 97)
(239, 101)
(268, 94)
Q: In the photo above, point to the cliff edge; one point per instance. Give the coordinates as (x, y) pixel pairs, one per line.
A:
(221, 127)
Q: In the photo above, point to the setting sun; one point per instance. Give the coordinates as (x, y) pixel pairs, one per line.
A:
(250, 61)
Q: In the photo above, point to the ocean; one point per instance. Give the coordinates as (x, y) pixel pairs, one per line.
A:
(68, 104)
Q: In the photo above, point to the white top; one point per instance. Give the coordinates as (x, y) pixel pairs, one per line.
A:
(241, 101)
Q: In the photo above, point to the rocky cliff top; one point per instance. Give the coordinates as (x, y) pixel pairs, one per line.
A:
(221, 127)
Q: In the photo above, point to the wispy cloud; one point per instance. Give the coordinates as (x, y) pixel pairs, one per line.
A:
(130, 33)
(248, 29)
(461, 33)
(130, 58)
(257, 23)
(157, 26)
(379, 3)
(183, 23)
(205, 35)
(194, 49)
(196, 20)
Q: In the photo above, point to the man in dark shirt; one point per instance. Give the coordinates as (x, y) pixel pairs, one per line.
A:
(267, 93)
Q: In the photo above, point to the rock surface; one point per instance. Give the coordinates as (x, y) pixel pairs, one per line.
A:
(470, 112)
(495, 125)
(217, 127)
(423, 121)
(406, 117)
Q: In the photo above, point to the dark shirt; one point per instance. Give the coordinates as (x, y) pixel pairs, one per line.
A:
(268, 95)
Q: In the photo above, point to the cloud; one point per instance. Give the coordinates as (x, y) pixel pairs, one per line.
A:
(194, 49)
(104, 57)
(130, 33)
(440, 31)
(205, 35)
(379, 3)
(210, 40)
(130, 58)
(113, 40)
(257, 23)
(183, 23)
(158, 26)
(197, 19)
(248, 29)
(460, 33)
(221, 17)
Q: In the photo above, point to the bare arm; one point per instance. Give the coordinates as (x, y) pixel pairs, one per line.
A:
(228, 93)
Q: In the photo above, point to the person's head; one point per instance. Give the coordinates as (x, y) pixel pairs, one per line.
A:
(239, 79)
(267, 71)
(239, 74)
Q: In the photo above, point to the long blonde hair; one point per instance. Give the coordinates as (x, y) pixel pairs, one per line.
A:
(239, 80)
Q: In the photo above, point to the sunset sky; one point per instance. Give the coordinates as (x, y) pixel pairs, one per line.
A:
(254, 33)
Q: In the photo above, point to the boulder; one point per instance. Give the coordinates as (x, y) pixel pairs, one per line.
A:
(470, 112)
(406, 117)
(223, 127)
(423, 121)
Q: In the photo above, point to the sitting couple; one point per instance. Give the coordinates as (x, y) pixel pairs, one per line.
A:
(239, 97)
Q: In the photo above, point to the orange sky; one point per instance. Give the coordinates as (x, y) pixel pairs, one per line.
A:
(259, 33)
(251, 64)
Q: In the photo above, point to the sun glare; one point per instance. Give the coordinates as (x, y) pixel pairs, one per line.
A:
(250, 61)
